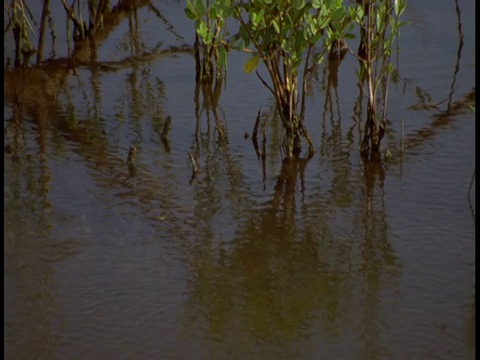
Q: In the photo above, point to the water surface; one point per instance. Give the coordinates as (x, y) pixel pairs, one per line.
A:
(330, 258)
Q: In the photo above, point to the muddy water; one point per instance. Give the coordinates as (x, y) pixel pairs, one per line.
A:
(330, 258)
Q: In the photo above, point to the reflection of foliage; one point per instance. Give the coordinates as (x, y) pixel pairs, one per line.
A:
(424, 100)
(282, 283)
(102, 19)
(279, 275)
(286, 264)
(210, 89)
(44, 93)
(440, 120)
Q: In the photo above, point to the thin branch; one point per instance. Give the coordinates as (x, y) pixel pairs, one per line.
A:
(265, 83)
(304, 82)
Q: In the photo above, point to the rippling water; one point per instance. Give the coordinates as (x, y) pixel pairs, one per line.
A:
(328, 258)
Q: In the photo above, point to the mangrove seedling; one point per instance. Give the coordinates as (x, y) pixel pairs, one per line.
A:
(210, 30)
(284, 35)
(379, 28)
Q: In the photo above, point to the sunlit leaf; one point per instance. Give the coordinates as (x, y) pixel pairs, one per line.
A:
(202, 30)
(378, 20)
(251, 64)
(275, 25)
(324, 22)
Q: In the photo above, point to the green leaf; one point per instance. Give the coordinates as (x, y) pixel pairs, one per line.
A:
(190, 14)
(316, 4)
(257, 17)
(222, 55)
(395, 6)
(350, 36)
(358, 14)
(315, 39)
(378, 21)
(338, 14)
(244, 35)
(251, 64)
(390, 68)
(276, 26)
(190, 5)
(324, 22)
(299, 4)
(300, 41)
(401, 23)
(402, 7)
(202, 30)
(319, 58)
(213, 12)
(199, 5)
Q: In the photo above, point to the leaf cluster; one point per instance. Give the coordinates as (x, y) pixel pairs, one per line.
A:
(289, 27)
(210, 24)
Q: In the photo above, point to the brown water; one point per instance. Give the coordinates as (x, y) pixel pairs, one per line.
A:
(330, 259)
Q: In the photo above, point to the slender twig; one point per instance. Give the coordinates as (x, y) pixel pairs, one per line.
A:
(265, 83)
(304, 82)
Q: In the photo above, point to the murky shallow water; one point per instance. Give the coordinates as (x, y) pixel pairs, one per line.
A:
(340, 260)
